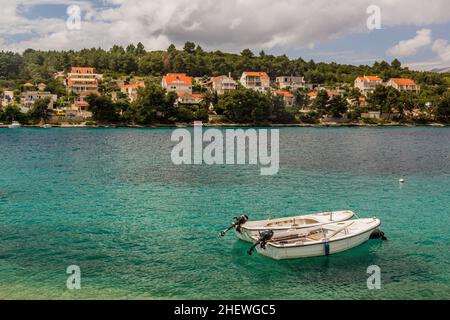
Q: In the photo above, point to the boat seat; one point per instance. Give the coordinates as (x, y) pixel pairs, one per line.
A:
(316, 237)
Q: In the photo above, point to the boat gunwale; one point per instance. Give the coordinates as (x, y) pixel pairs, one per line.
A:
(258, 228)
(288, 246)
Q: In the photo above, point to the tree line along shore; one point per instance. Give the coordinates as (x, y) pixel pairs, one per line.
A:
(132, 91)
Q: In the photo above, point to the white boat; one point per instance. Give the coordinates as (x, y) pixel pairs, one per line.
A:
(14, 124)
(324, 240)
(47, 126)
(246, 230)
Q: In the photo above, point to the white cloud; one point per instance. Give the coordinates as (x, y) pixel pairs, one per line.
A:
(228, 25)
(406, 48)
(442, 48)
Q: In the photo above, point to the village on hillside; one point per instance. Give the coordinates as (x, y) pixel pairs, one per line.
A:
(88, 97)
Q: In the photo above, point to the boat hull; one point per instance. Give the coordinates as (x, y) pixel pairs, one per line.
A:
(249, 230)
(316, 249)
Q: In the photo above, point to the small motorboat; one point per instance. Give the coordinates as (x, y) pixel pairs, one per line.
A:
(320, 241)
(47, 126)
(246, 230)
(14, 125)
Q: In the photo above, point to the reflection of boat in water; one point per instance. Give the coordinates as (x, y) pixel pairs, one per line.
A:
(319, 241)
(14, 124)
(246, 230)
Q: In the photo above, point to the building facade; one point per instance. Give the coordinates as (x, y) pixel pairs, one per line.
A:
(292, 82)
(177, 82)
(131, 90)
(403, 84)
(367, 84)
(288, 97)
(221, 84)
(258, 81)
(29, 97)
(82, 79)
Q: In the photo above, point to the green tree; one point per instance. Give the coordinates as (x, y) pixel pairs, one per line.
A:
(406, 102)
(40, 112)
(396, 64)
(321, 103)
(140, 49)
(377, 99)
(301, 99)
(247, 53)
(102, 107)
(189, 47)
(338, 106)
(153, 105)
(244, 106)
(12, 113)
(442, 111)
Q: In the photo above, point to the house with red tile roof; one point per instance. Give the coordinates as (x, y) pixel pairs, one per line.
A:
(80, 102)
(189, 98)
(313, 94)
(288, 97)
(82, 79)
(177, 82)
(131, 90)
(221, 84)
(367, 84)
(41, 86)
(258, 81)
(403, 84)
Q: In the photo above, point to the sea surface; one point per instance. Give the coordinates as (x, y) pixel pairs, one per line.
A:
(139, 227)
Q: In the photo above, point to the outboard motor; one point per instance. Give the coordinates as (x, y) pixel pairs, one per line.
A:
(264, 237)
(377, 234)
(238, 222)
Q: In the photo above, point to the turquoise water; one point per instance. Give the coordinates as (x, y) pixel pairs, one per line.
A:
(139, 227)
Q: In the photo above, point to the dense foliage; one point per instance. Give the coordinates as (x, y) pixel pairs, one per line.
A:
(135, 60)
(153, 105)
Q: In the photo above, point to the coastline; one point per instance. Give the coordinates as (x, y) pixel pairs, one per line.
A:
(246, 125)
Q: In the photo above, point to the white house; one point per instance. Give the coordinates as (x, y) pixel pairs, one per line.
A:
(221, 84)
(403, 84)
(131, 90)
(258, 81)
(367, 84)
(292, 82)
(177, 82)
(29, 97)
(288, 97)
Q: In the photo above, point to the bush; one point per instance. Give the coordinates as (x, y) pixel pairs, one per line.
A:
(371, 120)
(310, 118)
(91, 123)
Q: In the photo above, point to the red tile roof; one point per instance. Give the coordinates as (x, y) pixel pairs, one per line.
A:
(314, 93)
(178, 78)
(371, 78)
(82, 70)
(403, 82)
(256, 74)
(133, 85)
(284, 93)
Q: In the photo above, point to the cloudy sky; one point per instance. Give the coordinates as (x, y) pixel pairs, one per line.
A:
(415, 31)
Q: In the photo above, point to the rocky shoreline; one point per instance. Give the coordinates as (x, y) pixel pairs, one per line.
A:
(246, 125)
